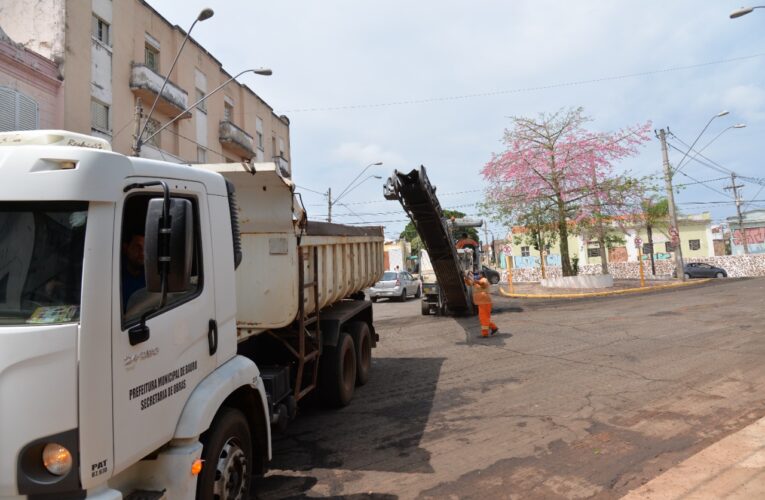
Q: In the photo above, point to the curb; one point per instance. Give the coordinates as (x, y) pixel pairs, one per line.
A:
(601, 294)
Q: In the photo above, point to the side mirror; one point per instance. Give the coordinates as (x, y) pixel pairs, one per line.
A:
(172, 248)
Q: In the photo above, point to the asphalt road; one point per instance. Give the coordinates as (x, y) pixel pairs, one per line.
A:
(573, 399)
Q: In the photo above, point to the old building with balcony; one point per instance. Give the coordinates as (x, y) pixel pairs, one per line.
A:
(113, 56)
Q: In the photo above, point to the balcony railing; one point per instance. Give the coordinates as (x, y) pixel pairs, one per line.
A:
(145, 83)
(236, 140)
(284, 166)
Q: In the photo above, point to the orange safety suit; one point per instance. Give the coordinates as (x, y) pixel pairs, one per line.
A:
(482, 299)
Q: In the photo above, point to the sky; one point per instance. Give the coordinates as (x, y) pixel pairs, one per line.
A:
(435, 83)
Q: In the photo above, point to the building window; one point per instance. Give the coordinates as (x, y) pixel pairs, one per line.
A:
(151, 57)
(281, 148)
(201, 155)
(202, 106)
(228, 111)
(669, 247)
(525, 252)
(593, 252)
(694, 244)
(100, 30)
(151, 127)
(259, 133)
(17, 111)
(99, 116)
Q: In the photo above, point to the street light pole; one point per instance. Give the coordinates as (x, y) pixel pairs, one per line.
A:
(261, 71)
(673, 230)
(203, 15)
(330, 203)
(718, 115)
(354, 180)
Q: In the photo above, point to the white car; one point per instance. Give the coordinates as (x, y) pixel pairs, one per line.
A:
(395, 285)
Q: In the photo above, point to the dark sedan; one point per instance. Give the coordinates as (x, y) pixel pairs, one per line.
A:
(491, 275)
(701, 270)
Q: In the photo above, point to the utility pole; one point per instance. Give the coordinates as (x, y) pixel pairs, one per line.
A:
(137, 127)
(485, 242)
(329, 205)
(735, 187)
(674, 231)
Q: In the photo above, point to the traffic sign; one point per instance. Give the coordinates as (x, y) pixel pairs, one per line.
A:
(638, 243)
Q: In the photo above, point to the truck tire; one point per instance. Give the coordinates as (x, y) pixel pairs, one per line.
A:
(338, 372)
(227, 455)
(362, 339)
(425, 307)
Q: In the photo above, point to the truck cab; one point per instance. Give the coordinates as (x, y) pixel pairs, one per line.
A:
(115, 380)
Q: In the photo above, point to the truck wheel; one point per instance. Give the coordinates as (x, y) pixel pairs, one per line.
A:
(362, 339)
(425, 307)
(338, 366)
(227, 455)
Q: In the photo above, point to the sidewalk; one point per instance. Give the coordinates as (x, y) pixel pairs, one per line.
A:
(535, 290)
(732, 468)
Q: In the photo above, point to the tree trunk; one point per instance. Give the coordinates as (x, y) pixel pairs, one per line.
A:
(602, 247)
(563, 231)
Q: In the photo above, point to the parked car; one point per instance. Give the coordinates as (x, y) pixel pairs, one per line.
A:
(395, 285)
(701, 270)
(491, 275)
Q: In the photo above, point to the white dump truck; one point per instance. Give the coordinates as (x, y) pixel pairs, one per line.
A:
(156, 320)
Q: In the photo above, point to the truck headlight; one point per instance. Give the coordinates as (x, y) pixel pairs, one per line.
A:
(57, 459)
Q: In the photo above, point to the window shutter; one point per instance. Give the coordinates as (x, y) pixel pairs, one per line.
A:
(7, 109)
(27, 113)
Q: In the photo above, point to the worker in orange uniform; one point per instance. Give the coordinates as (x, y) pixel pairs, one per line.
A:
(466, 241)
(482, 300)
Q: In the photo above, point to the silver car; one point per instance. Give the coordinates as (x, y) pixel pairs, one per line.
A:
(395, 285)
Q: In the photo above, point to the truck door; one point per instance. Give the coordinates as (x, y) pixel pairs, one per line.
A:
(153, 379)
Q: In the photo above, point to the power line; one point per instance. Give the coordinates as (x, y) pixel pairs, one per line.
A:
(522, 89)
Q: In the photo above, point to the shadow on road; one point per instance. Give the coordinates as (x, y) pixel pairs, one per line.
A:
(380, 430)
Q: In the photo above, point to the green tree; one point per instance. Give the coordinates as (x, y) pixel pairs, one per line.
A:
(410, 233)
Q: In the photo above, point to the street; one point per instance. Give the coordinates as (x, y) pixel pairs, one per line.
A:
(572, 399)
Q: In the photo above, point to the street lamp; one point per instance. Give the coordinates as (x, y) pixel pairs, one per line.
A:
(718, 115)
(348, 189)
(203, 15)
(261, 71)
(744, 11)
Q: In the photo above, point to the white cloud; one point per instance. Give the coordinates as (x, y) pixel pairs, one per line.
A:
(747, 101)
(363, 154)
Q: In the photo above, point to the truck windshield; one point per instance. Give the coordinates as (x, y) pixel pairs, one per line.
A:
(41, 252)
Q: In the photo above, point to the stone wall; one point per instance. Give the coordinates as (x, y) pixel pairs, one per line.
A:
(737, 266)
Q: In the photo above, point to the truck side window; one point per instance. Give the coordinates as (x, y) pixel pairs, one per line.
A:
(135, 299)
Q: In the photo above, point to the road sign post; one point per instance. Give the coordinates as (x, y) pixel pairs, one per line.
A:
(639, 246)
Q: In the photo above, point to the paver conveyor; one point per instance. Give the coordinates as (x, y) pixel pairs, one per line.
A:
(418, 197)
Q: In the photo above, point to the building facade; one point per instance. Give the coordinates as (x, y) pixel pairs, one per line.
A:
(752, 227)
(114, 55)
(29, 88)
(696, 238)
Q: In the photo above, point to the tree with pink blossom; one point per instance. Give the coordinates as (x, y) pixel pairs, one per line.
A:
(553, 162)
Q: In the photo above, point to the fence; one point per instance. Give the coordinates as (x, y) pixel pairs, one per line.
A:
(737, 266)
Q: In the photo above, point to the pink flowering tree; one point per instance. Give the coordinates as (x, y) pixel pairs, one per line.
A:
(553, 162)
